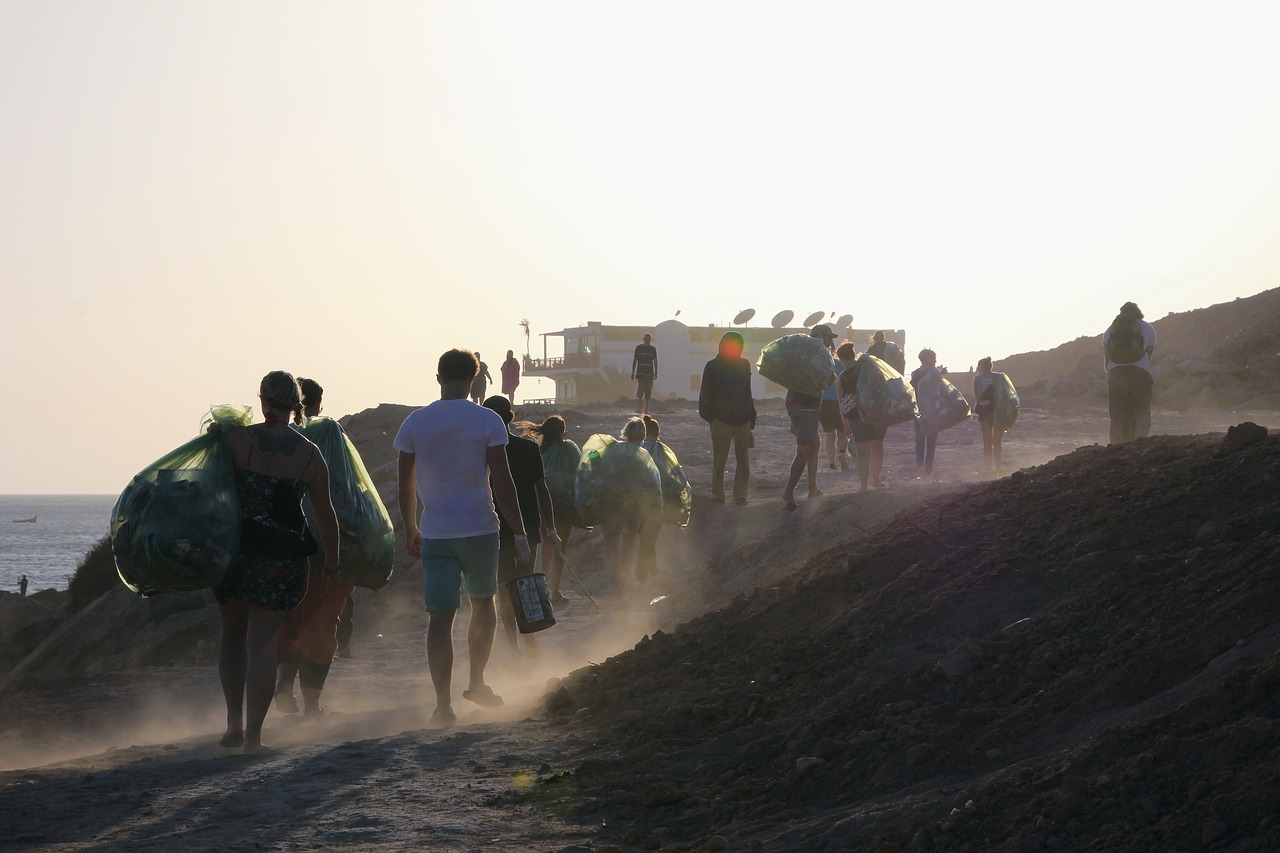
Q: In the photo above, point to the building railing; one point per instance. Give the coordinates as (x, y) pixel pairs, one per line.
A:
(578, 360)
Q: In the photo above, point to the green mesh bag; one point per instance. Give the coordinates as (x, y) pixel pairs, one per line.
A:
(176, 526)
(368, 541)
(617, 482)
(885, 398)
(1007, 403)
(677, 497)
(560, 470)
(798, 363)
(942, 405)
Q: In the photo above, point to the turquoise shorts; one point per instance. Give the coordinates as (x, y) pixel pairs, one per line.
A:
(469, 564)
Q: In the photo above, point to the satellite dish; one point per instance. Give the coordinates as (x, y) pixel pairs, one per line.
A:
(845, 320)
(815, 317)
(781, 319)
(744, 316)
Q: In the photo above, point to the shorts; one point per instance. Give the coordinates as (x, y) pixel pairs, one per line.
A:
(805, 422)
(829, 416)
(865, 432)
(447, 564)
(508, 568)
(644, 386)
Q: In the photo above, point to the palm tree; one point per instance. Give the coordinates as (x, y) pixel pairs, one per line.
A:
(525, 325)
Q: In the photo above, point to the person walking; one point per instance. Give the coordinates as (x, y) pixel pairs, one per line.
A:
(525, 462)
(829, 417)
(560, 457)
(1127, 345)
(450, 453)
(481, 383)
(803, 411)
(510, 372)
(22, 586)
(926, 443)
(868, 440)
(309, 636)
(275, 467)
(725, 403)
(644, 369)
(984, 406)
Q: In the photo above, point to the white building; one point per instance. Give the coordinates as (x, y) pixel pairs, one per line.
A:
(595, 364)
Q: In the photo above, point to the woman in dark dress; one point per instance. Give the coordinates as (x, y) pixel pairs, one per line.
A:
(275, 466)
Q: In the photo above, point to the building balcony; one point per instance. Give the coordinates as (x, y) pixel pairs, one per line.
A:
(549, 366)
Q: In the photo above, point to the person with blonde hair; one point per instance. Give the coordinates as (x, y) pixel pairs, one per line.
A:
(276, 466)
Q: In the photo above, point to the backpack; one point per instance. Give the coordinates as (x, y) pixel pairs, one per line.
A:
(1125, 343)
(894, 357)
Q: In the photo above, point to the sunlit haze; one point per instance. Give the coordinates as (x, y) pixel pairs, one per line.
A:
(193, 194)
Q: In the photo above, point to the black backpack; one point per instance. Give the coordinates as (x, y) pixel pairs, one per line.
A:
(1125, 343)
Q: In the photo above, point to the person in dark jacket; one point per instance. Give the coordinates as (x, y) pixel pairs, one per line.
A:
(725, 403)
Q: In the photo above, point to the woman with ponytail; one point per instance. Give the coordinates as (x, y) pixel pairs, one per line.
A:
(275, 467)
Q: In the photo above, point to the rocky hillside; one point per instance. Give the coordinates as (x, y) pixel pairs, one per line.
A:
(1081, 656)
(1223, 355)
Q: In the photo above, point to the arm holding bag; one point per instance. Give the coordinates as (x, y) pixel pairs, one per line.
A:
(176, 526)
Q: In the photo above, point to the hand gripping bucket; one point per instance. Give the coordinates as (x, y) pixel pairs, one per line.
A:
(531, 602)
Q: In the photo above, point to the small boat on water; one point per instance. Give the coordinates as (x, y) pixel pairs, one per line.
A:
(31, 520)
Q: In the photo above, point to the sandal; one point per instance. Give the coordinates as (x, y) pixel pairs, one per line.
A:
(483, 696)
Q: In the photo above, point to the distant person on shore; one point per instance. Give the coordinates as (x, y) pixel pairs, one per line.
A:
(725, 403)
(536, 511)
(480, 384)
(926, 443)
(1127, 345)
(984, 395)
(450, 452)
(510, 372)
(275, 467)
(829, 417)
(22, 585)
(560, 457)
(644, 369)
(868, 440)
(803, 411)
(309, 636)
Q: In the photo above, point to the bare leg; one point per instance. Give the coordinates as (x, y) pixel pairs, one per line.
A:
(813, 469)
(260, 671)
(440, 658)
(987, 430)
(507, 613)
(480, 634)
(797, 468)
(232, 656)
(864, 463)
(877, 462)
(831, 448)
(997, 449)
(286, 674)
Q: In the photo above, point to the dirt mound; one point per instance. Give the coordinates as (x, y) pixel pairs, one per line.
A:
(1082, 655)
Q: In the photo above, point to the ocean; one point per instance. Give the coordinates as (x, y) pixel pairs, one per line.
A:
(48, 551)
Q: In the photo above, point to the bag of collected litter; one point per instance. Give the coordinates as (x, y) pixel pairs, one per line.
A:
(617, 482)
(942, 406)
(798, 363)
(367, 542)
(560, 470)
(1006, 399)
(176, 526)
(885, 398)
(677, 497)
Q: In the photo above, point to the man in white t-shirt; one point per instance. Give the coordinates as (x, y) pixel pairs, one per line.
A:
(1127, 345)
(449, 453)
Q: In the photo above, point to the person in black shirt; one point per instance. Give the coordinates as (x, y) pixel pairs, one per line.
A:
(725, 403)
(525, 460)
(644, 369)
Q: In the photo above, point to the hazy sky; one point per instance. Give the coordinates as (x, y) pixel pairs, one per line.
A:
(194, 193)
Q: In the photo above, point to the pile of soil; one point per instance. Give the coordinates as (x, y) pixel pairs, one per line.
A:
(1082, 655)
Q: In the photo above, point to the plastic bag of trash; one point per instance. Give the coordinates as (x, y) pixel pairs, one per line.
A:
(176, 526)
(1006, 399)
(677, 497)
(368, 542)
(617, 482)
(560, 470)
(798, 363)
(942, 406)
(885, 398)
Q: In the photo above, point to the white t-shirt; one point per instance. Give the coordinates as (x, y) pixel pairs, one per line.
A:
(450, 440)
(1148, 341)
